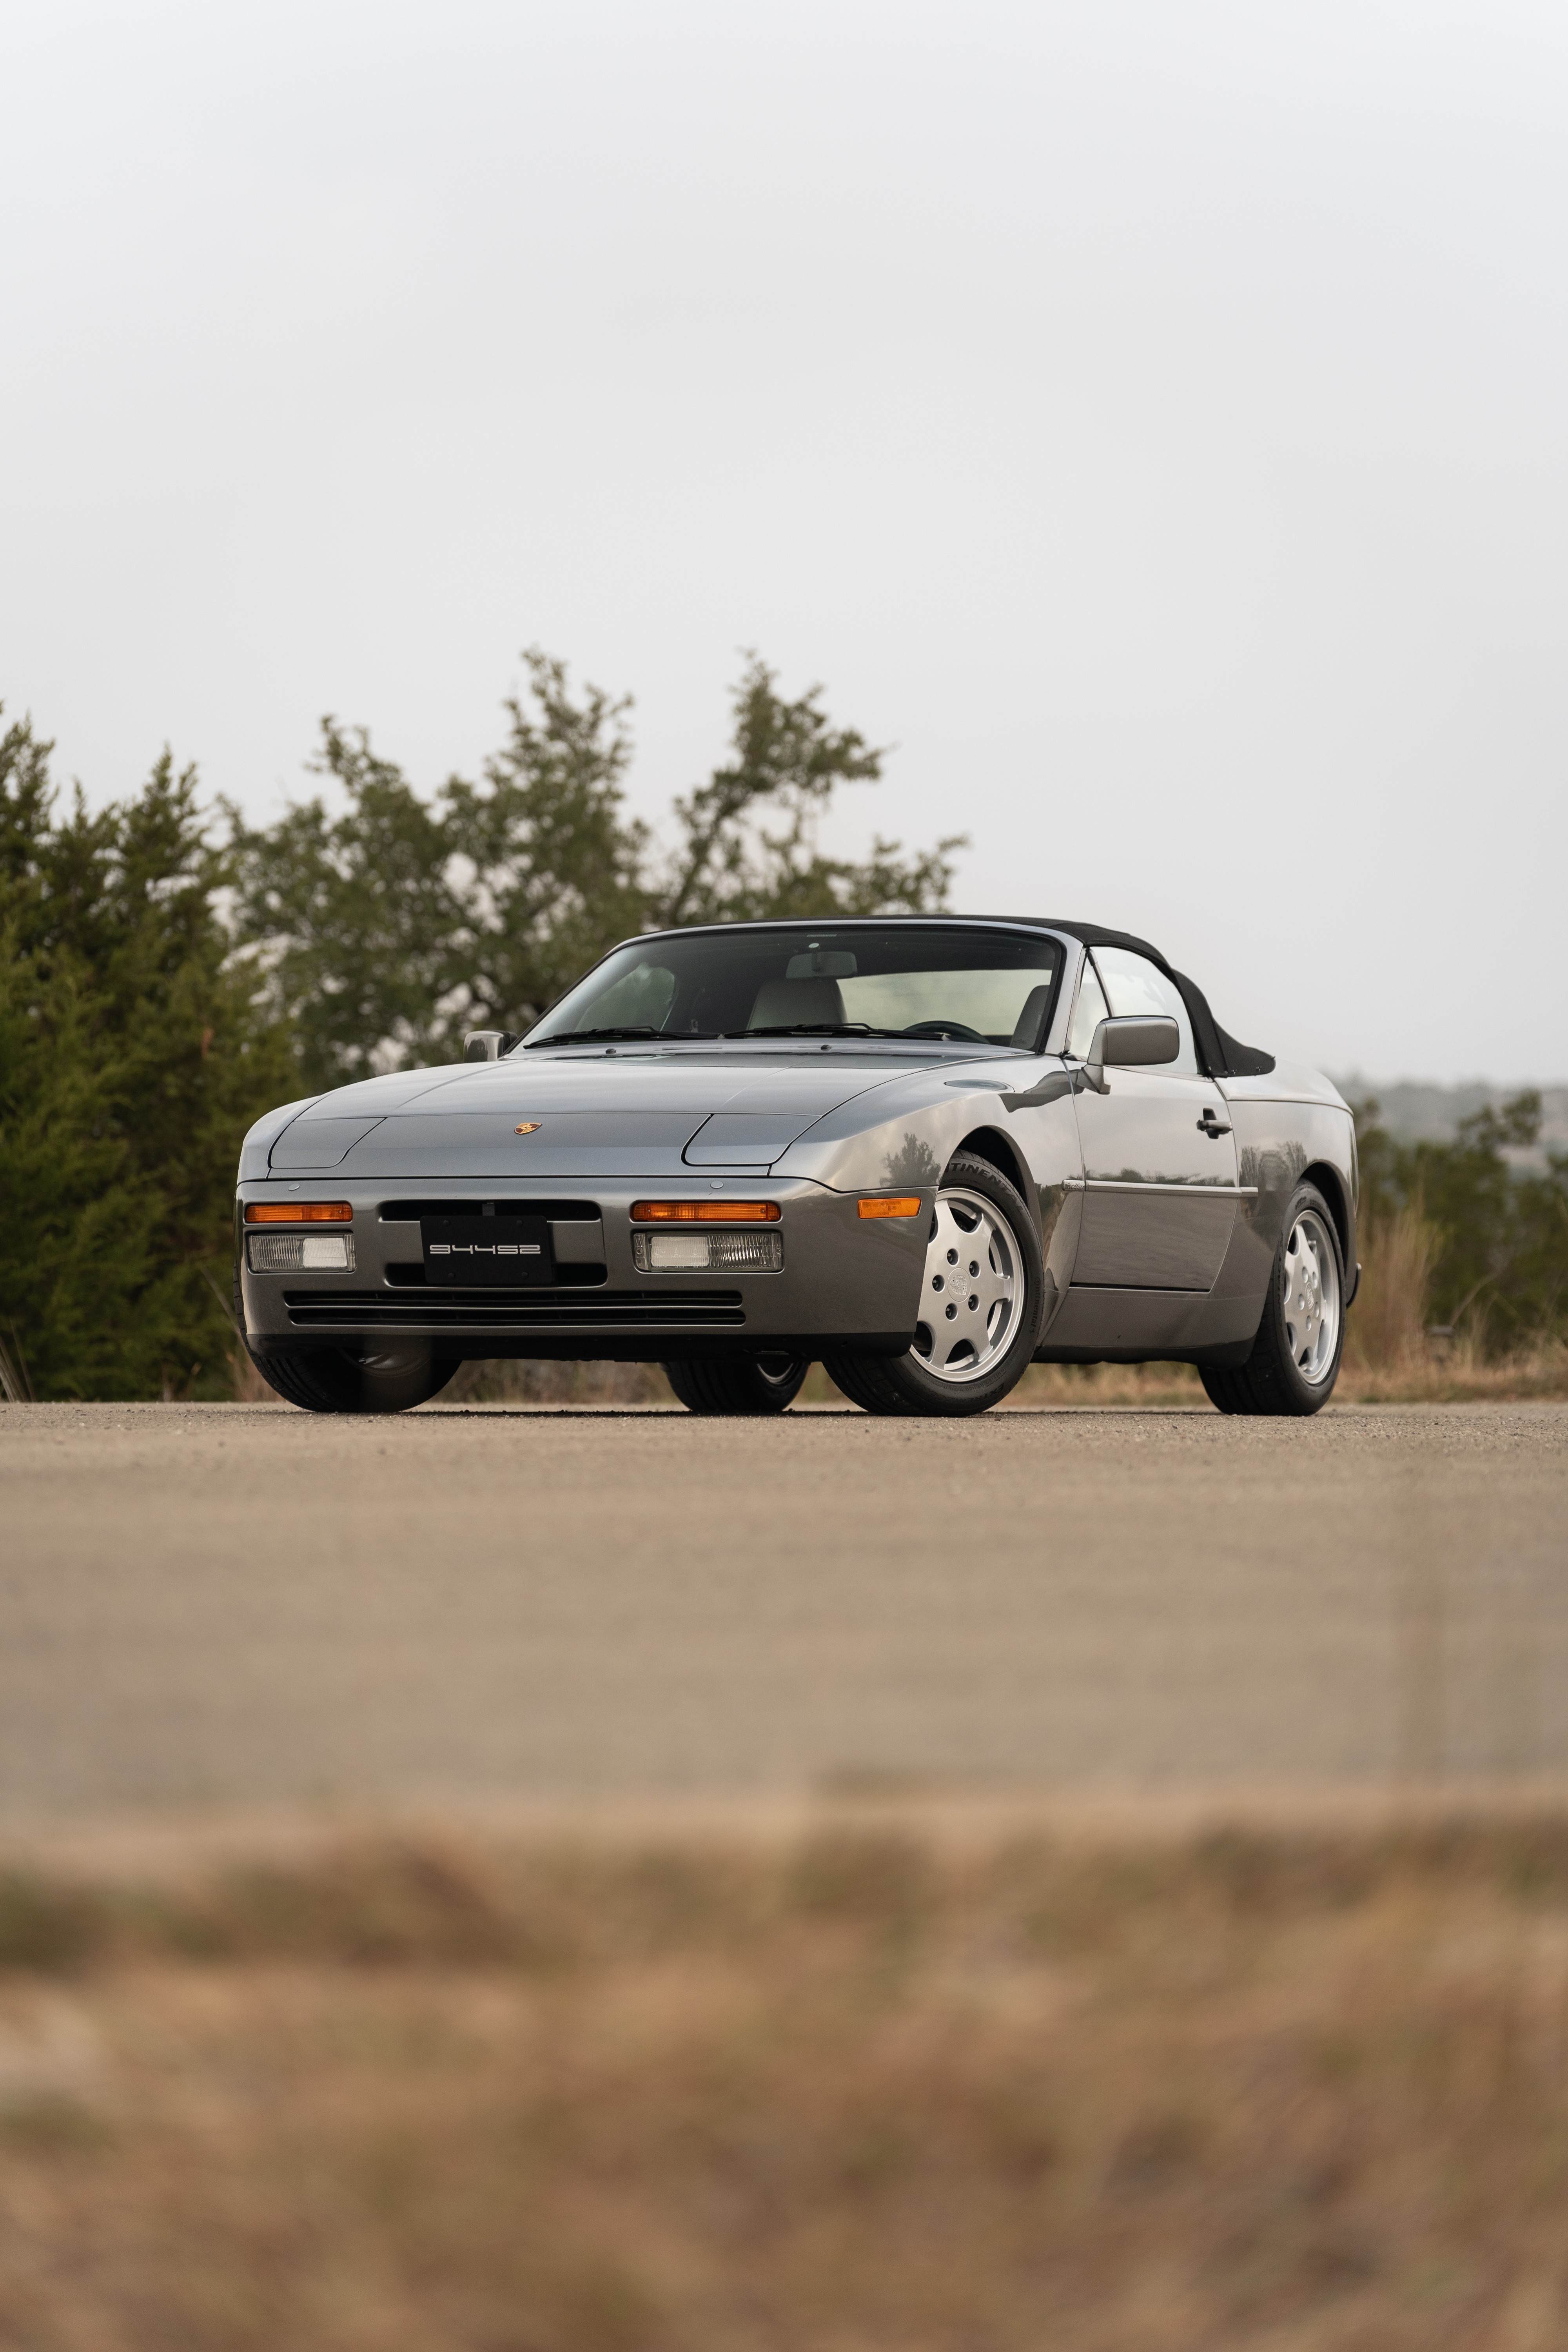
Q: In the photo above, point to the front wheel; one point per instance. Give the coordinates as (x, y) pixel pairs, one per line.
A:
(737, 1383)
(375, 1380)
(1295, 1358)
(982, 1301)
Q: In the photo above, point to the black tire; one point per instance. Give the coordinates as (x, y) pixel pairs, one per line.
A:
(737, 1383)
(1273, 1380)
(342, 1380)
(902, 1384)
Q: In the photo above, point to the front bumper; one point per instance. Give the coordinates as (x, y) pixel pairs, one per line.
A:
(847, 1284)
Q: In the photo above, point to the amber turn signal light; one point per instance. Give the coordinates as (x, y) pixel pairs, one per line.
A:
(901, 1204)
(298, 1213)
(684, 1212)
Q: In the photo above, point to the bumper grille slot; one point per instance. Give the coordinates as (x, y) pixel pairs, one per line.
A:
(531, 1310)
(408, 1213)
(587, 1276)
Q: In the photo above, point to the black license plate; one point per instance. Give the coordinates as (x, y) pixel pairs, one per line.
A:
(468, 1250)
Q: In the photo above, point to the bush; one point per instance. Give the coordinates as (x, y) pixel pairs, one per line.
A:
(1468, 1236)
(133, 1057)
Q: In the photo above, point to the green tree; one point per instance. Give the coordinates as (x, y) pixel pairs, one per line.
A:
(789, 760)
(1500, 1217)
(132, 1056)
(386, 931)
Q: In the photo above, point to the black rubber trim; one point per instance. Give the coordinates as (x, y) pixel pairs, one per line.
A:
(482, 1311)
(649, 1346)
(404, 1275)
(1223, 1351)
(569, 1212)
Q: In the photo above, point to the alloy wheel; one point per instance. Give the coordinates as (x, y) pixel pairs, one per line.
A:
(1310, 1306)
(971, 1291)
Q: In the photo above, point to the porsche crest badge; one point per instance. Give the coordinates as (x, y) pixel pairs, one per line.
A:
(528, 1125)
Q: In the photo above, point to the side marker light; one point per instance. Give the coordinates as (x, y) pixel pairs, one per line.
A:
(901, 1204)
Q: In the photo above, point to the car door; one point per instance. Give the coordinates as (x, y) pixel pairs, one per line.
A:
(1159, 1157)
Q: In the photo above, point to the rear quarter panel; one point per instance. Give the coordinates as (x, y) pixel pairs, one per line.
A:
(1286, 1123)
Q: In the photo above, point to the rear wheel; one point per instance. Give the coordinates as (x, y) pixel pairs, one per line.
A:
(982, 1297)
(737, 1383)
(1295, 1358)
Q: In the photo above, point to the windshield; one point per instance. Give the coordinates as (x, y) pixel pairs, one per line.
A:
(991, 988)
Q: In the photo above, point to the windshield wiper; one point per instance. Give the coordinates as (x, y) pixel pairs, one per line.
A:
(816, 1029)
(583, 1036)
(688, 1036)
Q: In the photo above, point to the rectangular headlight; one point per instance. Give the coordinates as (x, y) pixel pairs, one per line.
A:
(299, 1252)
(708, 1253)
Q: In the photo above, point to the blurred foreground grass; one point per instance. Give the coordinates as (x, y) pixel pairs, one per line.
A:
(863, 2089)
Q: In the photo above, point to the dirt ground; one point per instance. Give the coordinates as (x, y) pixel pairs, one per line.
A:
(209, 1606)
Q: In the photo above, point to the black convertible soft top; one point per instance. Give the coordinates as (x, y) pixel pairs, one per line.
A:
(1221, 1055)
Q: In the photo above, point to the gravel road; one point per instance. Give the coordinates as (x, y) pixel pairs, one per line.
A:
(221, 1605)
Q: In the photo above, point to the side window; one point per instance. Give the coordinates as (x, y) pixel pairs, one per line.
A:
(1135, 985)
(1087, 1013)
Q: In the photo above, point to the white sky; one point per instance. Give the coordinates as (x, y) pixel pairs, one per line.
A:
(1151, 418)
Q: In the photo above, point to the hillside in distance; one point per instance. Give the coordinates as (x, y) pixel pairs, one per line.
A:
(1414, 1110)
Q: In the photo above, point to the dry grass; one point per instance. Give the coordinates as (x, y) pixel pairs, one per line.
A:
(1458, 1372)
(1386, 1329)
(1302, 2092)
(1392, 1358)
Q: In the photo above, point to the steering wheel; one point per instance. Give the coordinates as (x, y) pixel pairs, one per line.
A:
(945, 1029)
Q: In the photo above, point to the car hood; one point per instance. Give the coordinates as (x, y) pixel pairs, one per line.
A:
(597, 1115)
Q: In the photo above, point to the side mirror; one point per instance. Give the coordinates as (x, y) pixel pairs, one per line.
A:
(489, 1045)
(1131, 1041)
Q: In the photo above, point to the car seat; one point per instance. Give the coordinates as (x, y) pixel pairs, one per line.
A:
(799, 1004)
(1027, 1030)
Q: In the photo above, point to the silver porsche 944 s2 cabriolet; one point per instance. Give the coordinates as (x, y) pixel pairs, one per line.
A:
(924, 1152)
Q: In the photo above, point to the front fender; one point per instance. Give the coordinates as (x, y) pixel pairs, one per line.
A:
(255, 1150)
(921, 1123)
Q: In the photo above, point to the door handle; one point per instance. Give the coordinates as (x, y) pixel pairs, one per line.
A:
(1212, 1127)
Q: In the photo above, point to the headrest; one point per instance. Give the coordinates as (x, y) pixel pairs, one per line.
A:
(1026, 1032)
(797, 1003)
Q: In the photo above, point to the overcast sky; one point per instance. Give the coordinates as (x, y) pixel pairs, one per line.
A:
(1151, 419)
